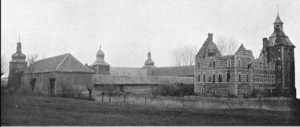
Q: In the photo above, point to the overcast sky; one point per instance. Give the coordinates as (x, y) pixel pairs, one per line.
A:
(127, 29)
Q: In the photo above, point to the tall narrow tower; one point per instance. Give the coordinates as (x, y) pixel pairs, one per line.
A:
(149, 63)
(100, 66)
(281, 51)
(17, 66)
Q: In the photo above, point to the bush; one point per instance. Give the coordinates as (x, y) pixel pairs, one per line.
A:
(24, 89)
(178, 90)
(70, 92)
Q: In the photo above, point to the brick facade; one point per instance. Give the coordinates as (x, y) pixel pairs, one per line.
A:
(240, 74)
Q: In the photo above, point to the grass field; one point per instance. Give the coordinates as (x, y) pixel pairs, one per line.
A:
(33, 110)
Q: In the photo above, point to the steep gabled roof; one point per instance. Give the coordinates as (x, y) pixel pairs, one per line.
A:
(243, 51)
(140, 80)
(182, 71)
(132, 71)
(209, 48)
(61, 63)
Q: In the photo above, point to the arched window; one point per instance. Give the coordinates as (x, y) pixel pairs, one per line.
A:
(204, 78)
(214, 64)
(228, 63)
(247, 78)
(198, 65)
(239, 62)
(214, 78)
(228, 76)
(220, 78)
(199, 76)
(214, 91)
(240, 79)
(202, 90)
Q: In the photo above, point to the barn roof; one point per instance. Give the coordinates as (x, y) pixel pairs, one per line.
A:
(182, 71)
(61, 63)
(132, 71)
(140, 80)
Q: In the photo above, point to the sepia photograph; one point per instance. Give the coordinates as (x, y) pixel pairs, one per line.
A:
(150, 63)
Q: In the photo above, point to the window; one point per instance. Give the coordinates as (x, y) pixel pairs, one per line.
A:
(220, 78)
(247, 78)
(214, 64)
(202, 90)
(198, 65)
(214, 91)
(214, 77)
(199, 76)
(240, 78)
(228, 76)
(204, 78)
(239, 63)
(228, 63)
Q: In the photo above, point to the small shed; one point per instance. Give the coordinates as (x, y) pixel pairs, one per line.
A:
(52, 75)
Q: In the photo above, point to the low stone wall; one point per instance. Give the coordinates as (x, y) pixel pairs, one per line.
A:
(277, 104)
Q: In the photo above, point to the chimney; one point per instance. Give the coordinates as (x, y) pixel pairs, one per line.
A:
(210, 36)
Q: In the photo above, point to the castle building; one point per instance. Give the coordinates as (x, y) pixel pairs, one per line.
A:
(17, 66)
(100, 66)
(240, 74)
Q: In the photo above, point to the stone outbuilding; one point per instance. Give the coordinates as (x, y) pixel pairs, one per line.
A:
(52, 75)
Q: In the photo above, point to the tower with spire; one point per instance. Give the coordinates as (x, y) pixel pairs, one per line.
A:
(280, 49)
(17, 66)
(149, 63)
(100, 66)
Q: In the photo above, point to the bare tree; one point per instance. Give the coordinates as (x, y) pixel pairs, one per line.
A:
(184, 55)
(226, 46)
(31, 60)
(4, 66)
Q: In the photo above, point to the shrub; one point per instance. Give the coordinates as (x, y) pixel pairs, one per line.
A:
(178, 90)
(70, 92)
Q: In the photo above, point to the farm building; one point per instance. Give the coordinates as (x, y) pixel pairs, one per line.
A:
(137, 84)
(55, 74)
(136, 80)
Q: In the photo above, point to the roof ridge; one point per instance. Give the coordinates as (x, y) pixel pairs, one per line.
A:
(62, 61)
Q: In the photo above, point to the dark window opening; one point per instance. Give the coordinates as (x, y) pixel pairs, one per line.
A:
(247, 78)
(220, 78)
(52, 85)
(198, 65)
(199, 76)
(214, 77)
(228, 76)
(214, 64)
(240, 78)
(32, 83)
(203, 78)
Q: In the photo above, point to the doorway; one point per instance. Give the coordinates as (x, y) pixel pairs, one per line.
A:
(52, 85)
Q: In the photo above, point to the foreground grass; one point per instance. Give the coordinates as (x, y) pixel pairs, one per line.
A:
(32, 110)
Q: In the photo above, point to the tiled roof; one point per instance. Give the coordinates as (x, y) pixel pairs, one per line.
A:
(132, 71)
(183, 71)
(61, 63)
(140, 80)
(284, 39)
